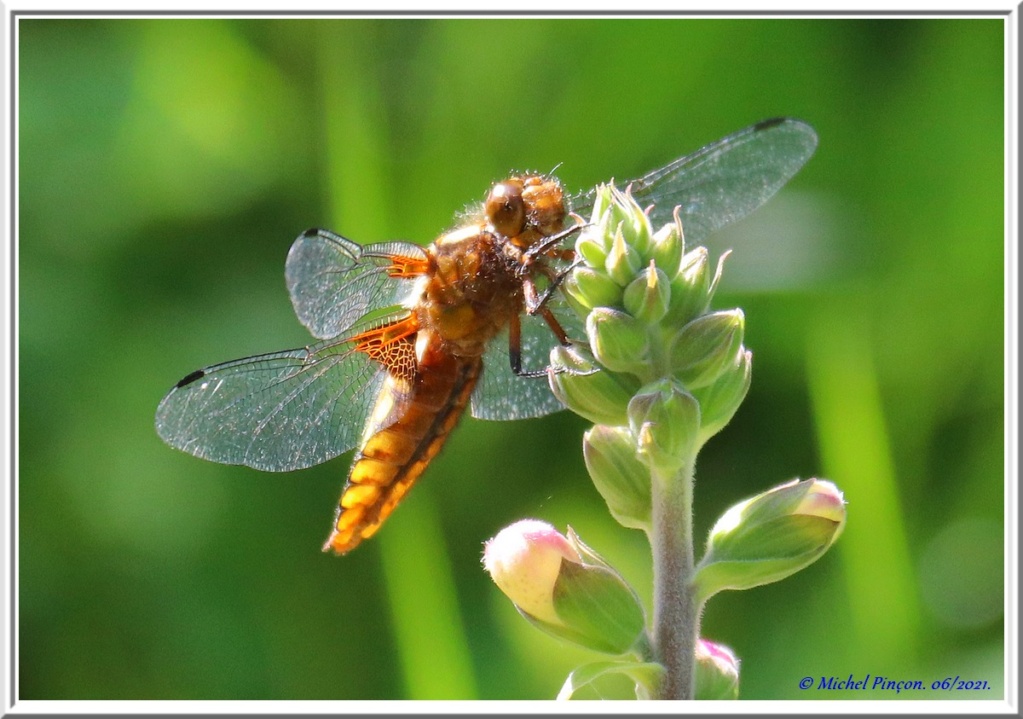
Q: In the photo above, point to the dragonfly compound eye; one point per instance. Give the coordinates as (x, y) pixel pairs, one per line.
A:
(505, 208)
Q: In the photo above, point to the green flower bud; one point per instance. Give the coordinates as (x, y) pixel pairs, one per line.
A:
(770, 536)
(591, 250)
(587, 288)
(646, 298)
(637, 228)
(665, 420)
(689, 288)
(667, 246)
(623, 214)
(706, 347)
(623, 261)
(622, 480)
(717, 671)
(594, 241)
(720, 400)
(579, 383)
(603, 202)
(618, 340)
(593, 599)
(563, 587)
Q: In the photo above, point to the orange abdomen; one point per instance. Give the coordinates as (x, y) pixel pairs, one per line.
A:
(392, 458)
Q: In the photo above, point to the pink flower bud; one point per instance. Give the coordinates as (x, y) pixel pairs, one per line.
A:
(524, 560)
(563, 587)
(824, 500)
(717, 671)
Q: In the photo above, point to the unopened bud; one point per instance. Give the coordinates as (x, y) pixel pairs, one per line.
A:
(705, 348)
(524, 560)
(619, 341)
(620, 477)
(689, 287)
(591, 250)
(770, 536)
(587, 288)
(602, 202)
(646, 298)
(563, 587)
(667, 246)
(720, 400)
(582, 386)
(717, 671)
(623, 261)
(665, 420)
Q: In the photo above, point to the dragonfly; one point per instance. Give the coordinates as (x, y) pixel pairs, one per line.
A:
(408, 336)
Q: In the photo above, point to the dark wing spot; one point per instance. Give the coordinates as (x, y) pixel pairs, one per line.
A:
(768, 124)
(189, 379)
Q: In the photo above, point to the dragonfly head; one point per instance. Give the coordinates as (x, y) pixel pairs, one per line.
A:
(525, 209)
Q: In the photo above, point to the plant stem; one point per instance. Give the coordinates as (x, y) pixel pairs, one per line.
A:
(676, 619)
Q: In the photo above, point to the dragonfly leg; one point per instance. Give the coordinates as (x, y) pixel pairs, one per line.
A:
(515, 346)
(536, 302)
(549, 243)
(515, 349)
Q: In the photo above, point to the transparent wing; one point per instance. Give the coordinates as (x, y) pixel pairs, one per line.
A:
(503, 395)
(275, 412)
(724, 181)
(334, 281)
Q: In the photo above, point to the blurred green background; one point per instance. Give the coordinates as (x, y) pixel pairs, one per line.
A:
(165, 168)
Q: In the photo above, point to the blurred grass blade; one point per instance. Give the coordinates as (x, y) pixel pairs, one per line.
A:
(854, 446)
(428, 629)
(354, 129)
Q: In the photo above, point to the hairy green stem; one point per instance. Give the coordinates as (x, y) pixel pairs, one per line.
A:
(676, 615)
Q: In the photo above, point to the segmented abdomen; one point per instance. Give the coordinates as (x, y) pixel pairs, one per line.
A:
(392, 458)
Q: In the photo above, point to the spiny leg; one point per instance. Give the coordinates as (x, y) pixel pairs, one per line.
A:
(537, 302)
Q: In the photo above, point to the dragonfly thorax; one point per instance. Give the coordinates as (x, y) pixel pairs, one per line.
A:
(473, 290)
